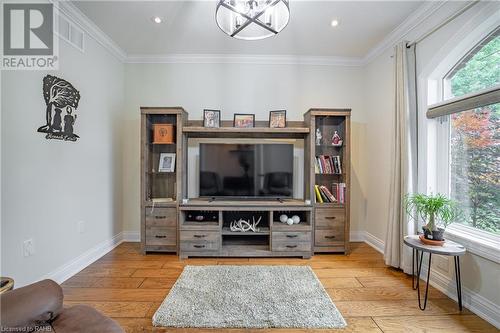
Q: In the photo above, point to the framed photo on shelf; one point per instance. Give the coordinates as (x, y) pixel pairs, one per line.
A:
(244, 120)
(211, 118)
(277, 119)
(167, 162)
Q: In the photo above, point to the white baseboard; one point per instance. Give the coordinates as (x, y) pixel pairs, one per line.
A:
(476, 303)
(481, 306)
(374, 242)
(64, 272)
(131, 236)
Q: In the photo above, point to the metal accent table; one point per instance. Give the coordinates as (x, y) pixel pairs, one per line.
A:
(449, 248)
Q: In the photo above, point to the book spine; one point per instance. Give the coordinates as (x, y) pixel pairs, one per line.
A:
(318, 195)
(323, 195)
(329, 194)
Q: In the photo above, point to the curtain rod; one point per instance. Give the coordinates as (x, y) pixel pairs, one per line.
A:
(448, 20)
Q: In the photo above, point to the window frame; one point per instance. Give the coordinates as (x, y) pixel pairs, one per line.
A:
(483, 20)
(477, 241)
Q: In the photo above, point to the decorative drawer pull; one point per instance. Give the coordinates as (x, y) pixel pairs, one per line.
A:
(199, 246)
(330, 217)
(199, 236)
(291, 236)
(291, 246)
(329, 237)
(160, 236)
(160, 217)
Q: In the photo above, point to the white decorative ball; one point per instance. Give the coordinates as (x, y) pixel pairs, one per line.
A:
(283, 218)
(289, 221)
(296, 219)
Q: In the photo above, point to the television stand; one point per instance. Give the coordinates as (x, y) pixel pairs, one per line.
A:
(205, 229)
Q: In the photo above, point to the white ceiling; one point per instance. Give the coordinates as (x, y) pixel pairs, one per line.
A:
(189, 27)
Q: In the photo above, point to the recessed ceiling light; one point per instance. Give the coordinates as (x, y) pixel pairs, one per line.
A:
(157, 19)
(335, 23)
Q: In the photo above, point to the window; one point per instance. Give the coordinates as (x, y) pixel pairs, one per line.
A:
(479, 69)
(475, 166)
(475, 139)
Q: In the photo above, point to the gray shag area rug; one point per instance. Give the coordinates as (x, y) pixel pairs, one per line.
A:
(248, 297)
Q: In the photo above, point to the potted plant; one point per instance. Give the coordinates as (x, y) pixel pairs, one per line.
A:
(437, 211)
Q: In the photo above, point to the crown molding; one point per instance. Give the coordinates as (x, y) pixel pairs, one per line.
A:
(423, 12)
(72, 13)
(243, 59)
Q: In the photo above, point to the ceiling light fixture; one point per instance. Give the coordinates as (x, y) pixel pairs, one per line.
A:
(335, 23)
(157, 19)
(252, 19)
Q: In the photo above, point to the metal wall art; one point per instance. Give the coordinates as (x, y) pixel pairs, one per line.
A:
(61, 100)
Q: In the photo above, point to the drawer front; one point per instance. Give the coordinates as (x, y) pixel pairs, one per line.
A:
(161, 236)
(291, 246)
(291, 236)
(330, 237)
(161, 217)
(329, 218)
(199, 241)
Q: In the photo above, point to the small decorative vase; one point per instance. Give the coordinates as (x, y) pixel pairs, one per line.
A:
(289, 221)
(296, 219)
(283, 218)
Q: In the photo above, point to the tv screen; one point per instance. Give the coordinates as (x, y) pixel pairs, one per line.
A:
(246, 170)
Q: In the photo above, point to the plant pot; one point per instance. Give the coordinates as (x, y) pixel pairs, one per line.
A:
(438, 234)
(427, 232)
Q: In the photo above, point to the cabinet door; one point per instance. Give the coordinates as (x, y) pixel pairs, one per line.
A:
(328, 218)
(161, 217)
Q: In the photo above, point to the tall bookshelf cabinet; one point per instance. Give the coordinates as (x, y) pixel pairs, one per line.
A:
(161, 187)
(331, 219)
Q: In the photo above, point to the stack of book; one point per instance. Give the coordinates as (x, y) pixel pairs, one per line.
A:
(336, 195)
(323, 194)
(339, 190)
(327, 164)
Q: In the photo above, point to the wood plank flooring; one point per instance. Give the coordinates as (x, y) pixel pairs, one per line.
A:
(129, 287)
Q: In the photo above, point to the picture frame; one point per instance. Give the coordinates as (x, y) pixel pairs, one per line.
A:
(166, 162)
(244, 120)
(277, 119)
(211, 118)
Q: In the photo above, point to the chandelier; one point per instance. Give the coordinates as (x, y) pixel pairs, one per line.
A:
(252, 19)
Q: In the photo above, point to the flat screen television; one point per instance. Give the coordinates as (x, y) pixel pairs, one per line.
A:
(246, 170)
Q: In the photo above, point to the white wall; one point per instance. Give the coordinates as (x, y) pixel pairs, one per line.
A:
(50, 185)
(480, 276)
(240, 88)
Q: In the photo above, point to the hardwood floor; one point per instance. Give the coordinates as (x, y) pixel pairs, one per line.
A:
(129, 287)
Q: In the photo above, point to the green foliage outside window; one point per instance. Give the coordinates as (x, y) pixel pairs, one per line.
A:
(475, 143)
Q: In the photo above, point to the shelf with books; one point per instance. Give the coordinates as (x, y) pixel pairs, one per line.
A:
(329, 152)
(328, 164)
(328, 204)
(329, 174)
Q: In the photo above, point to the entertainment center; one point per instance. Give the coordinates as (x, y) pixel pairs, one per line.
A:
(245, 206)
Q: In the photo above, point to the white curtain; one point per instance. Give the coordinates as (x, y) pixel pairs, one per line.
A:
(404, 157)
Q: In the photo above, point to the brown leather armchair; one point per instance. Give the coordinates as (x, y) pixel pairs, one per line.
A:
(39, 307)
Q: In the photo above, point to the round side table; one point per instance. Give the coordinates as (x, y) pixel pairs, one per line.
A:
(6, 284)
(449, 248)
